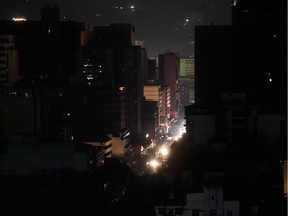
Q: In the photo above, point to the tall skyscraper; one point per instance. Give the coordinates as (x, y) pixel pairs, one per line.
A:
(249, 56)
(112, 61)
(186, 80)
(168, 75)
(243, 66)
(47, 49)
(38, 57)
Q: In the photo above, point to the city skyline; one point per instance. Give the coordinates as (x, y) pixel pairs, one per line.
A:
(90, 124)
(163, 28)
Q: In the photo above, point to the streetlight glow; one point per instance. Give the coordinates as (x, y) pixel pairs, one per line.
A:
(164, 151)
(154, 163)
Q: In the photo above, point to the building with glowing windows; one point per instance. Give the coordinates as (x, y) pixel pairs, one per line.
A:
(165, 107)
(186, 82)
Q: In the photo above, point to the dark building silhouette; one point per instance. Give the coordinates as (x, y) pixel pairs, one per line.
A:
(151, 76)
(112, 61)
(9, 71)
(247, 57)
(115, 35)
(237, 125)
(149, 118)
(84, 114)
(47, 49)
(61, 72)
(42, 58)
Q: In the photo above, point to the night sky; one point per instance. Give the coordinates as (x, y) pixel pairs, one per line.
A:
(163, 25)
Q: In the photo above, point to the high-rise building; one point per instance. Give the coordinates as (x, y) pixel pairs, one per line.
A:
(149, 118)
(186, 81)
(8, 59)
(115, 35)
(21, 125)
(244, 59)
(247, 59)
(134, 67)
(154, 93)
(83, 114)
(48, 49)
(151, 77)
(241, 95)
(165, 109)
(115, 63)
(216, 63)
(54, 57)
(168, 75)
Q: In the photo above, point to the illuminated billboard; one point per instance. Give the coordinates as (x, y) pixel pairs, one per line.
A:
(186, 67)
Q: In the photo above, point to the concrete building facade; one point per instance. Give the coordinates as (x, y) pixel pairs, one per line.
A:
(168, 76)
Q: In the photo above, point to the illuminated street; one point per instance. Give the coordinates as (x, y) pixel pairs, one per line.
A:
(155, 156)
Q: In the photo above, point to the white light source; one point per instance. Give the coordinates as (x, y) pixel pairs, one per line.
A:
(18, 19)
(154, 163)
(164, 151)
